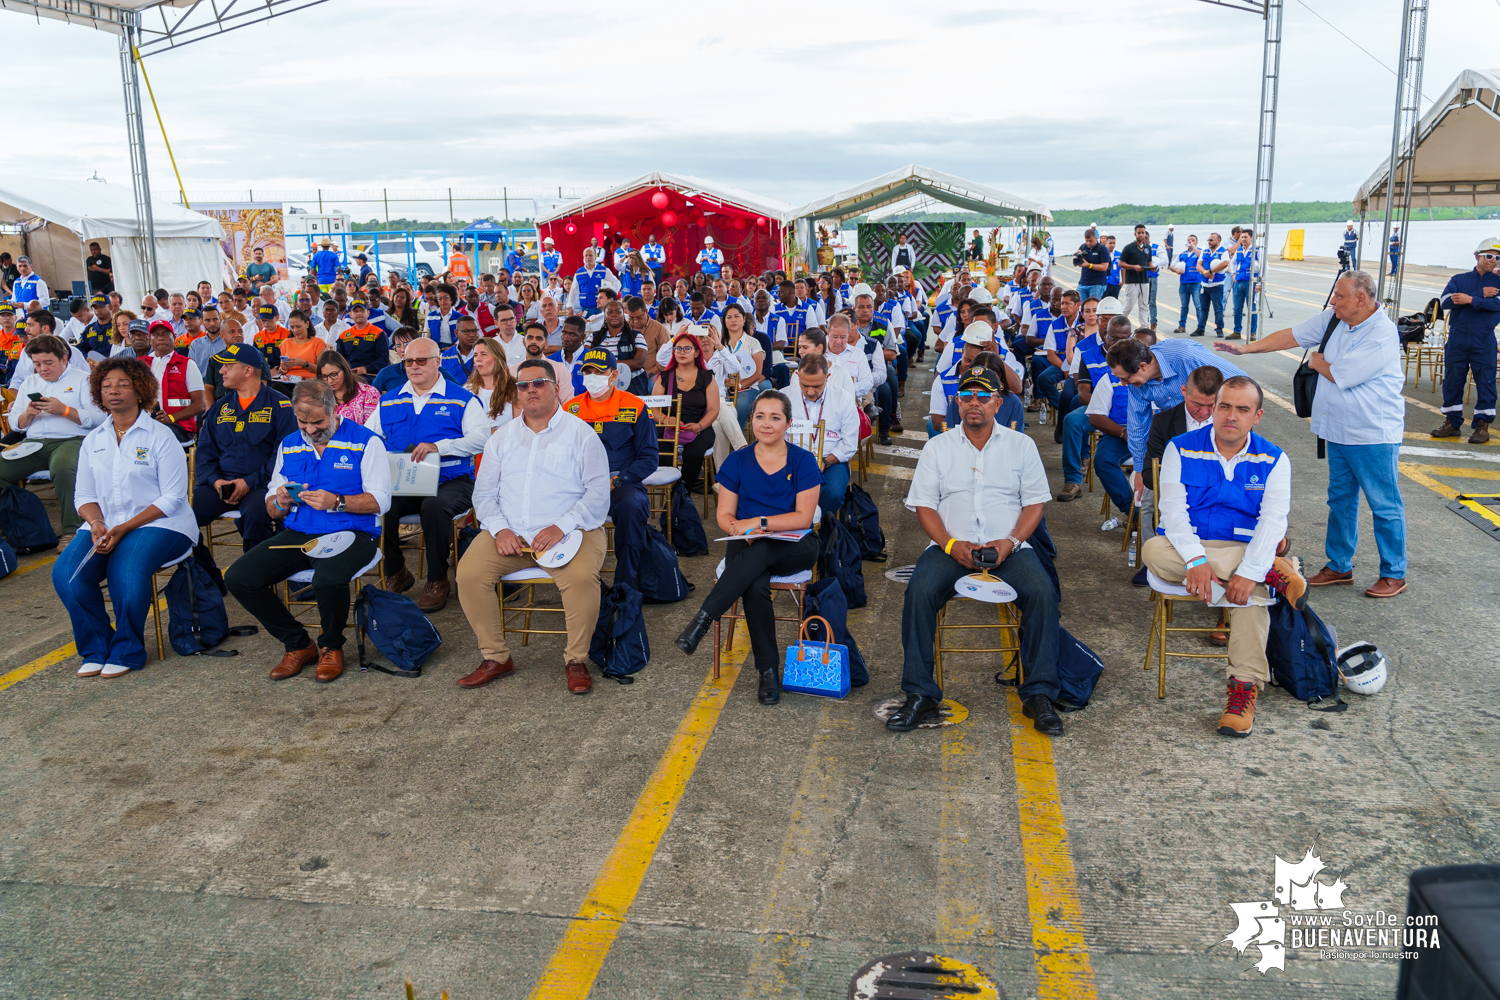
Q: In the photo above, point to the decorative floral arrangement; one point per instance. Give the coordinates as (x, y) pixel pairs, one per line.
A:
(992, 259)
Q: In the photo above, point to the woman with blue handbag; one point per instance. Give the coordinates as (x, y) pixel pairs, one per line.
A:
(767, 487)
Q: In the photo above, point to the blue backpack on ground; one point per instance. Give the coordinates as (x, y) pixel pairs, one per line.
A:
(658, 574)
(7, 559)
(825, 599)
(841, 559)
(687, 527)
(1300, 648)
(24, 521)
(620, 646)
(1078, 670)
(860, 515)
(196, 618)
(398, 628)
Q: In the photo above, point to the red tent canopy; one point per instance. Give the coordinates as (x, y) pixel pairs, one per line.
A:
(750, 241)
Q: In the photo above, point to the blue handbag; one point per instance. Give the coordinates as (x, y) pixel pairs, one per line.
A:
(809, 670)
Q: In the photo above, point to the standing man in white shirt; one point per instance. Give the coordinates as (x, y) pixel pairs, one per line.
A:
(542, 477)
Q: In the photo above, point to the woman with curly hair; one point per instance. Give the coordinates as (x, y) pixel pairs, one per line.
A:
(132, 493)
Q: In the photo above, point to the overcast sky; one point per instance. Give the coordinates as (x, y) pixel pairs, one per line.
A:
(1077, 104)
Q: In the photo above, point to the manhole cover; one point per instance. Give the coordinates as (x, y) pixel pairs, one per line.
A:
(922, 974)
(952, 714)
(901, 574)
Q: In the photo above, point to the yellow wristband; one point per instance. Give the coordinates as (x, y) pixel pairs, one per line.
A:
(948, 549)
(171, 418)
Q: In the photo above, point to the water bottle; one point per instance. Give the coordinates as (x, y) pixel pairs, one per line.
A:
(1041, 416)
(1110, 525)
(1130, 552)
(1026, 393)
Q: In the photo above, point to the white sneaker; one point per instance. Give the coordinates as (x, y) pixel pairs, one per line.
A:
(90, 669)
(112, 670)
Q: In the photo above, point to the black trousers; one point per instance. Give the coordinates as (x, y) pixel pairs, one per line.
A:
(748, 568)
(254, 522)
(437, 513)
(253, 578)
(629, 509)
(692, 457)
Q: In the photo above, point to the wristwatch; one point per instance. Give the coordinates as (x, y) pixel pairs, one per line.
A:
(342, 505)
(764, 524)
(1015, 543)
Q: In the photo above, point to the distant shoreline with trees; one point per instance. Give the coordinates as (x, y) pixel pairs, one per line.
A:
(1188, 215)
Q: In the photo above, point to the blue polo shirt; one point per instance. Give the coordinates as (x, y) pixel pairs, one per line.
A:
(762, 495)
(1177, 358)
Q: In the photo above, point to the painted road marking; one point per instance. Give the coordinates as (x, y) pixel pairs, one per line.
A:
(1407, 449)
(898, 451)
(37, 665)
(962, 915)
(579, 956)
(23, 570)
(1063, 968)
(1457, 443)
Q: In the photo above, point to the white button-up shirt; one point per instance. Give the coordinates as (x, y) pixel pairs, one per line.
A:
(839, 413)
(529, 480)
(1363, 404)
(979, 494)
(854, 361)
(72, 388)
(147, 468)
(476, 422)
(1270, 529)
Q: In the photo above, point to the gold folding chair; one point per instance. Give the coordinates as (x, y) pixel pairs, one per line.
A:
(659, 484)
(524, 604)
(1008, 625)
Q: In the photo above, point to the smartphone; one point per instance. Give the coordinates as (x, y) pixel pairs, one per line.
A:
(35, 397)
(226, 491)
(295, 489)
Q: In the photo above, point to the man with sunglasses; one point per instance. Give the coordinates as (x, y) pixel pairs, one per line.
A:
(430, 415)
(1473, 302)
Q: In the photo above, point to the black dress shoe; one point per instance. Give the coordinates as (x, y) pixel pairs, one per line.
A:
(693, 634)
(885, 438)
(918, 709)
(770, 686)
(1038, 708)
(1139, 580)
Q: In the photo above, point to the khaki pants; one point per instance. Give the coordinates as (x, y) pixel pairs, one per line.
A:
(1248, 627)
(481, 568)
(58, 456)
(728, 435)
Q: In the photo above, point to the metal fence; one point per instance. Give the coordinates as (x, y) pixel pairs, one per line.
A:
(420, 251)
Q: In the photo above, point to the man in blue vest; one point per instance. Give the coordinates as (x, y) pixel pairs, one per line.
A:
(1394, 250)
(1245, 263)
(1225, 495)
(430, 415)
(710, 259)
(330, 475)
(1189, 286)
(1213, 265)
(1473, 303)
(654, 256)
(550, 261)
(587, 281)
(1351, 248)
(29, 290)
(458, 360)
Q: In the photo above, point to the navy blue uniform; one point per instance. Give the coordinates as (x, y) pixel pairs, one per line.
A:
(1471, 346)
(236, 442)
(629, 437)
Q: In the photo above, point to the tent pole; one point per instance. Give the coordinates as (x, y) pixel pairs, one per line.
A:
(1404, 134)
(135, 129)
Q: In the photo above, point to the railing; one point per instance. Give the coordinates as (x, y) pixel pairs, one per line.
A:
(369, 242)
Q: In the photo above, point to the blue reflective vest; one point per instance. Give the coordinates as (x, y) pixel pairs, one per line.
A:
(653, 254)
(441, 417)
(1224, 510)
(1189, 261)
(588, 284)
(444, 329)
(337, 471)
(711, 261)
(1208, 259)
(1244, 264)
(551, 261)
(1114, 268)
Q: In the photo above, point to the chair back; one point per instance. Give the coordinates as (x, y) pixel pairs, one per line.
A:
(811, 441)
(668, 438)
(1156, 493)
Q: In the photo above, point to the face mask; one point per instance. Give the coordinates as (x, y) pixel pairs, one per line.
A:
(597, 385)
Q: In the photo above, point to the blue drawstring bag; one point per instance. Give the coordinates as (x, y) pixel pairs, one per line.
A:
(688, 537)
(658, 573)
(841, 560)
(7, 559)
(825, 602)
(24, 521)
(196, 618)
(620, 646)
(860, 515)
(1078, 670)
(811, 669)
(1300, 650)
(398, 628)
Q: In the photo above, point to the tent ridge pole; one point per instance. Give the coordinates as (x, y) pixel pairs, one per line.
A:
(135, 128)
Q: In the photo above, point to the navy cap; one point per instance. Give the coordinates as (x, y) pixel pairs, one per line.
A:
(266, 311)
(6, 307)
(359, 304)
(240, 353)
(360, 256)
(140, 326)
(980, 375)
(193, 312)
(598, 357)
(99, 300)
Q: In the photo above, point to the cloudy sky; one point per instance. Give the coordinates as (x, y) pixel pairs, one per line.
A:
(1077, 104)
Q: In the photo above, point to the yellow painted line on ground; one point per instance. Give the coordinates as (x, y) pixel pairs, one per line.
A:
(37, 665)
(961, 915)
(892, 471)
(1063, 968)
(586, 943)
(23, 570)
(1423, 406)
(1452, 443)
(1416, 474)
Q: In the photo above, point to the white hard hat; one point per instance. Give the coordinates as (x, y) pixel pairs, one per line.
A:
(979, 332)
(548, 241)
(899, 269)
(861, 289)
(1363, 667)
(1490, 244)
(1170, 226)
(1349, 223)
(708, 239)
(1109, 305)
(980, 296)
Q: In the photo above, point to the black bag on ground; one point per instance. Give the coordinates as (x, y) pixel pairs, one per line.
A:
(1305, 379)
(687, 527)
(1300, 649)
(860, 515)
(657, 571)
(841, 559)
(398, 628)
(196, 618)
(620, 646)
(466, 536)
(24, 521)
(1078, 670)
(7, 559)
(825, 599)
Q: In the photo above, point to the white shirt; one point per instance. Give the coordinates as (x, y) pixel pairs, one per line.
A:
(72, 387)
(747, 350)
(528, 481)
(515, 350)
(979, 494)
(1270, 529)
(476, 422)
(25, 367)
(1363, 404)
(839, 413)
(72, 330)
(148, 468)
(854, 361)
(374, 472)
(501, 418)
(159, 368)
(330, 334)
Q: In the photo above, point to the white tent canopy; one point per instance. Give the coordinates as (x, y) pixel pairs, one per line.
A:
(899, 185)
(59, 219)
(690, 186)
(1458, 149)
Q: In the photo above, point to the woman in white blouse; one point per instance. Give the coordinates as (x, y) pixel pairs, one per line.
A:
(132, 492)
(490, 379)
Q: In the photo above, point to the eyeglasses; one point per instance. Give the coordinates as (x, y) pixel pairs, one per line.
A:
(329, 376)
(967, 394)
(416, 362)
(535, 383)
(684, 349)
(1488, 256)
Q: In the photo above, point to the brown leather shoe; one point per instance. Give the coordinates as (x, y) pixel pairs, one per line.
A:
(1481, 433)
(1445, 431)
(292, 663)
(579, 681)
(488, 671)
(1220, 637)
(1386, 587)
(434, 596)
(1070, 491)
(401, 582)
(1326, 577)
(330, 665)
(1283, 547)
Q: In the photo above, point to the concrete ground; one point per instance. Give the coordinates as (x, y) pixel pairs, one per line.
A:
(194, 830)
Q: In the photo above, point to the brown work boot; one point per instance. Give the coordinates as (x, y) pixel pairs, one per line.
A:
(1239, 713)
(1445, 431)
(579, 681)
(1287, 579)
(1220, 635)
(292, 663)
(401, 582)
(434, 596)
(1070, 491)
(488, 671)
(1386, 587)
(1329, 577)
(330, 665)
(1481, 433)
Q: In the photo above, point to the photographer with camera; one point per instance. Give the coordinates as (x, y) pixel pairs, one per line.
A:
(1095, 260)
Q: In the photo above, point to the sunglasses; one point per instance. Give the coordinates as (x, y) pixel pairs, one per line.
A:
(535, 383)
(971, 394)
(417, 362)
(1488, 256)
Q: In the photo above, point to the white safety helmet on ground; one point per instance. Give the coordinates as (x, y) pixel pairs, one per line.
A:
(1363, 667)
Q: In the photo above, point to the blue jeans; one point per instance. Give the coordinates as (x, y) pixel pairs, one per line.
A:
(128, 569)
(744, 403)
(1069, 395)
(1108, 457)
(835, 485)
(1191, 291)
(901, 365)
(1155, 278)
(1213, 301)
(1047, 384)
(885, 398)
(1372, 468)
(931, 587)
(1091, 291)
(781, 376)
(1076, 428)
(1241, 303)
